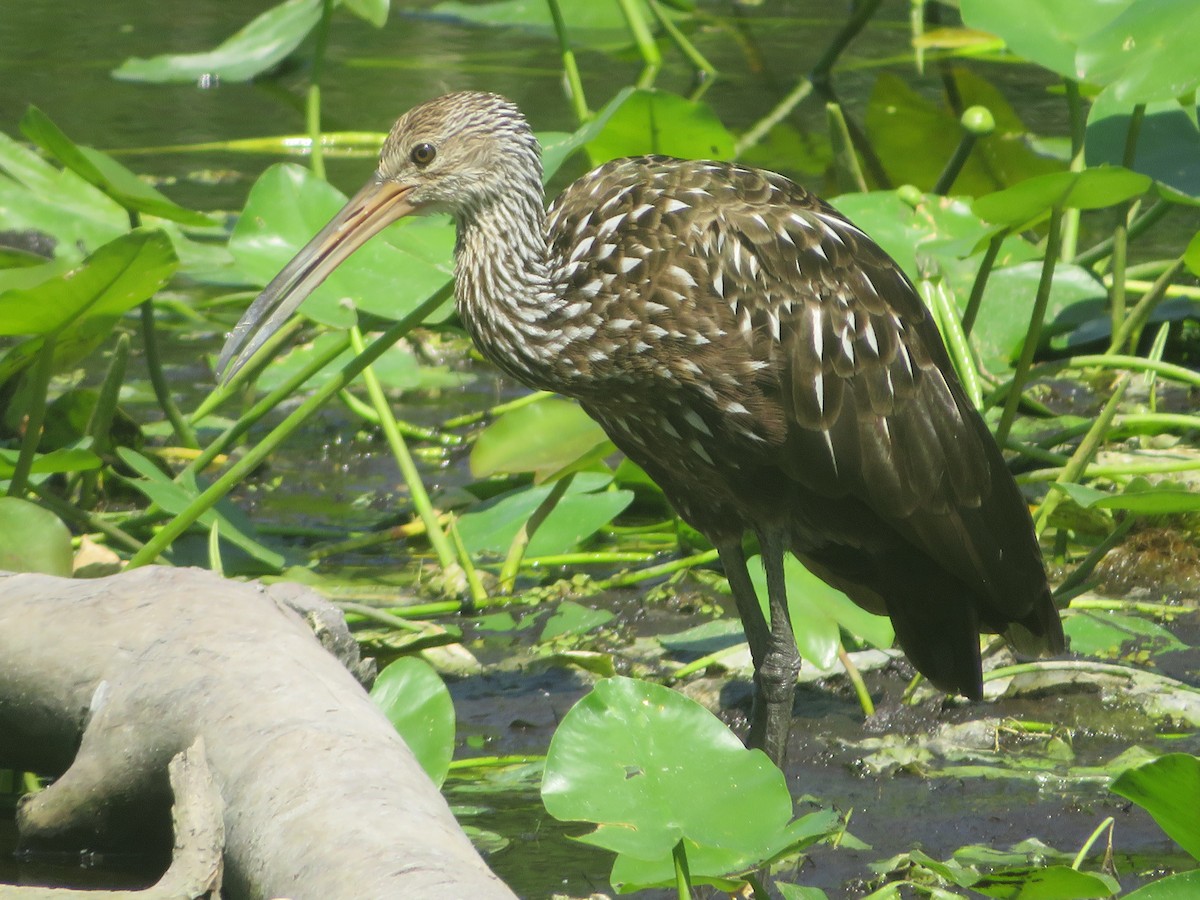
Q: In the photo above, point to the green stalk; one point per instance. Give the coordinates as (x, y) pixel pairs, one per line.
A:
(644, 39)
(267, 352)
(860, 14)
(408, 429)
(184, 433)
(1131, 328)
(1092, 838)
(844, 155)
(408, 469)
(475, 587)
(1138, 226)
(1070, 230)
(520, 541)
(499, 409)
(1116, 294)
(683, 878)
(686, 47)
(312, 104)
(1117, 470)
(625, 579)
(981, 279)
(937, 297)
(68, 512)
(264, 406)
(856, 679)
(1034, 332)
(99, 426)
(1083, 569)
(570, 66)
(34, 417)
(258, 454)
(1083, 453)
(781, 111)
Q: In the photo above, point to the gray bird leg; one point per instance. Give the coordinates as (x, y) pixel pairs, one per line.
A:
(772, 648)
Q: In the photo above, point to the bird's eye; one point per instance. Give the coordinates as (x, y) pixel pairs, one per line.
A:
(423, 154)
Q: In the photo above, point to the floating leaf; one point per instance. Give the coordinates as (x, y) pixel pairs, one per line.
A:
(33, 539)
(1181, 886)
(416, 702)
(1168, 140)
(1104, 634)
(260, 45)
(574, 618)
(652, 768)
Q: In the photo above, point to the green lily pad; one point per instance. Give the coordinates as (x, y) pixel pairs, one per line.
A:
(1181, 886)
(652, 121)
(574, 618)
(1034, 198)
(651, 769)
(416, 702)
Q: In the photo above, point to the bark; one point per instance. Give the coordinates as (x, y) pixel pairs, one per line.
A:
(107, 680)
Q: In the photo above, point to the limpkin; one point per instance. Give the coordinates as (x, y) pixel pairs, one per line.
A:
(765, 362)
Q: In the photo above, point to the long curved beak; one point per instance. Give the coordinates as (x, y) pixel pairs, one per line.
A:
(368, 212)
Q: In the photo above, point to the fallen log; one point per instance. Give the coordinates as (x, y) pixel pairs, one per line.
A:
(106, 680)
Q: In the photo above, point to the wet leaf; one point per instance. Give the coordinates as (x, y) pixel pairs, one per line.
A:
(417, 703)
(75, 459)
(599, 26)
(373, 11)
(104, 172)
(542, 437)
(574, 618)
(1046, 883)
(33, 539)
(255, 48)
(1169, 789)
(819, 612)
(1105, 633)
(1150, 500)
(799, 892)
(652, 768)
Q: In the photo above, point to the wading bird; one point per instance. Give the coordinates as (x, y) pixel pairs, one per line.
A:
(765, 362)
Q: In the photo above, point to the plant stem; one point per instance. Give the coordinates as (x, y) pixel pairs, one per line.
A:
(248, 463)
(703, 67)
(404, 461)
(625, 579)
(184, 433)
(475, 587)
(844, 155)
(651, 55)
(683, 879)
(981, 280)
(312, 105)
(1070, 229)
(570, 66)
(856, 679)
(1034, 332)
(520, 541)
(35, 416)
(1084, 452)
(1131, 328)
(1151, 216)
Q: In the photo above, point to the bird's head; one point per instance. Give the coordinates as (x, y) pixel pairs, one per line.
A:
(455, 154)
(461, 152)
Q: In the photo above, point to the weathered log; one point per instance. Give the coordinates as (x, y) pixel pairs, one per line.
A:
(106, 680)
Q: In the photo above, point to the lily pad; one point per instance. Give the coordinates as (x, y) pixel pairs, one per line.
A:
(418, 705)
(33, 539)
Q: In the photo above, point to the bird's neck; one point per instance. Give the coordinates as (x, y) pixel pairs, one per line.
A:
(508, 287)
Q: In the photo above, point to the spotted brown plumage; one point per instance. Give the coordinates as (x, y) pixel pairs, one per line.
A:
(754, 351)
